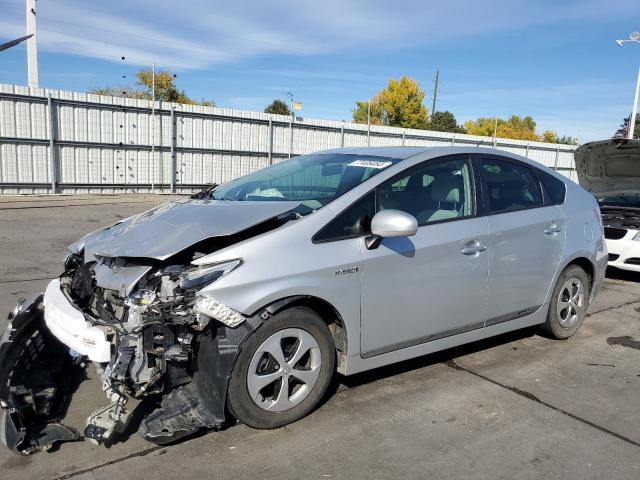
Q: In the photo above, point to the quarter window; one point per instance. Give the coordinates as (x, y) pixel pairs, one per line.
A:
(509, 186)
(555, 189)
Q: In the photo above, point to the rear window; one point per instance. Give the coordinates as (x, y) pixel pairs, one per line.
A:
(510, 187)
(554, 188)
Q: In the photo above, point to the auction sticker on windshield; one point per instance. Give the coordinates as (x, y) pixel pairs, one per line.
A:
(370, 164)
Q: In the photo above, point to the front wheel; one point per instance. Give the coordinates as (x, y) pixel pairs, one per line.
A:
(569, 302)
(283, 370)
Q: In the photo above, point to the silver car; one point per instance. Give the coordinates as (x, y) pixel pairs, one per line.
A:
(244, 300)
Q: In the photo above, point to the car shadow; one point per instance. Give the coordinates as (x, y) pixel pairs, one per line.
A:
(444, 356)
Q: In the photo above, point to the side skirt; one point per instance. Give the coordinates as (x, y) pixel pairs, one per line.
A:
(357, 363)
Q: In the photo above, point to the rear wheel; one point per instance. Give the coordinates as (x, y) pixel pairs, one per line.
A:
(569, 302)
(283, 370)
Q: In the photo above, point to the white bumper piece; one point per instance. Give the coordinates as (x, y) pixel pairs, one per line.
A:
(71, 328)
(627, 251)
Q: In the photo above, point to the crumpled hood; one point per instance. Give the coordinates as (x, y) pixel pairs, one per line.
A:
(168, 229)
(609, 166)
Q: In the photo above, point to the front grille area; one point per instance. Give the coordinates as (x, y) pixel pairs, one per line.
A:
(614, 233)
(633, 261)
(613, 257)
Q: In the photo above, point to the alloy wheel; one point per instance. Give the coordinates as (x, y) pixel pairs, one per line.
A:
(571, 302)
(284, 370)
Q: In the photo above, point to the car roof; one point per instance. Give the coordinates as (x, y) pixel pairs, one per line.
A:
(392, 152)
(402, 153)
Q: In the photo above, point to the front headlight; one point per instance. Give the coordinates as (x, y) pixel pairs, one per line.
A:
(637, 237)
(207, 274)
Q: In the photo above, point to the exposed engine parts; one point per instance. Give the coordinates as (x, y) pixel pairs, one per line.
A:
(162, 351)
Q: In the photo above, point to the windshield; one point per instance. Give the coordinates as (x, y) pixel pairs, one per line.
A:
(630, 200)
(313, 180)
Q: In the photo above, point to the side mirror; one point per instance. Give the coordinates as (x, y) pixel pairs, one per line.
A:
(388, 224)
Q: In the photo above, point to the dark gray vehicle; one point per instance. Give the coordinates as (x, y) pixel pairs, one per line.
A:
(244, 300)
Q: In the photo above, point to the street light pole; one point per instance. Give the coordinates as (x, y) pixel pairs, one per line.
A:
(32, 45)
(632, 124)
(290, 125)
(634, 37)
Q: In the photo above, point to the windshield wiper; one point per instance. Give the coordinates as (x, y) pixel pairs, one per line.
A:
(206, 192)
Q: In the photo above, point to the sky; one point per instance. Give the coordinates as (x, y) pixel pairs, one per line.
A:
(555, 60)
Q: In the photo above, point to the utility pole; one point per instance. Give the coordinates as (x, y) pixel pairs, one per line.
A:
(153, 124)
(632, 124)
(435, 94)
(369, 123)
(32, 44)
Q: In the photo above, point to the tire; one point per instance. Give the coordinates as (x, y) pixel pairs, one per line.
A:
(568, 304)
(306, 371)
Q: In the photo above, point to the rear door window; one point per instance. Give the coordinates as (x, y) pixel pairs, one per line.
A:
(509, 186)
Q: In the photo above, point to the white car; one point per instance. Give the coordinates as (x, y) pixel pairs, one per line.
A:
(610, 169)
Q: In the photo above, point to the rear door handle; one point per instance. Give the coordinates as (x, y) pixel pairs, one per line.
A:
(552, 228)
(473, 247)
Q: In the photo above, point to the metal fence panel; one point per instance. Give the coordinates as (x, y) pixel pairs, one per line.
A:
(76, 142)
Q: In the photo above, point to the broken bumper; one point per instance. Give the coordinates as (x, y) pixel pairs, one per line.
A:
(70, 326)
(37, 376)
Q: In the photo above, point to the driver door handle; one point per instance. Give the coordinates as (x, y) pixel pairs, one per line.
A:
(473, 247)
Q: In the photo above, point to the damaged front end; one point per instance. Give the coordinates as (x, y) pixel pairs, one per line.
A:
(148, 333)
(128, 302)
(37, 378)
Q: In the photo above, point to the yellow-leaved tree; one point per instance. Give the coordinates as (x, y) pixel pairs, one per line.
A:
(397, 105)
(520, 128)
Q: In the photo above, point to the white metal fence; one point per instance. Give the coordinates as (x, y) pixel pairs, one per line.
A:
(69, 142)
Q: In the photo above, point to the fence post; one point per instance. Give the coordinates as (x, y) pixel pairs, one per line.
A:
(174, 163)
(291, 135)
(453, 140)
(526, 154)
(555, 163)
(270, 142)
(53, 158)
(404, 137)
(342, 135)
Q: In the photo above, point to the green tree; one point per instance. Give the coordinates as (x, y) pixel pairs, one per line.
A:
(278, 107)
(566, 140)
(397, 105)
(361, 112)
(445, 122)
(165, 89)
(624, 128)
